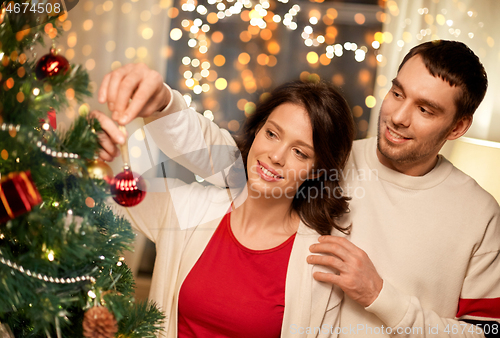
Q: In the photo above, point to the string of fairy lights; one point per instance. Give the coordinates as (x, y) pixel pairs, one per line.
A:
(201, 69)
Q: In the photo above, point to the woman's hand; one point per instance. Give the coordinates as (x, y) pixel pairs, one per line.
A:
(134, 82)
(109, 137)
(130, 91)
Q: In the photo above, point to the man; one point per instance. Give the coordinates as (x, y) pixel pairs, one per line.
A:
(430, 236)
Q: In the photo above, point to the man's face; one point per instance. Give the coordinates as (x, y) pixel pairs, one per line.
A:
(416, 117)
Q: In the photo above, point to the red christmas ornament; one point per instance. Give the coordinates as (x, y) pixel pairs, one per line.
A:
(51, 118)
(50, 65)
(128, 188)
(18, 195)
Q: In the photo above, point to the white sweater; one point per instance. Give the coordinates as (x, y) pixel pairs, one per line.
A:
(434, 239)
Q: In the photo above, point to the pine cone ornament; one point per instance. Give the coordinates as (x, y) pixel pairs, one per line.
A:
(98, 322)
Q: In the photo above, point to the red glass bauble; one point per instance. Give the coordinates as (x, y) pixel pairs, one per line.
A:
(128, 188)
(51, 65)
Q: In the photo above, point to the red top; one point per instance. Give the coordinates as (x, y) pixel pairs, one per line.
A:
(233, 291)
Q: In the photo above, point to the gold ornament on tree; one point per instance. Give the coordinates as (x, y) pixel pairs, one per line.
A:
(98, 169)
(98, 322)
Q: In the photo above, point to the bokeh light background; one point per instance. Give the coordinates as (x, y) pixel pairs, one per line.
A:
(226, 55)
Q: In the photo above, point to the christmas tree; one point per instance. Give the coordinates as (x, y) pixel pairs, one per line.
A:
(61, 270)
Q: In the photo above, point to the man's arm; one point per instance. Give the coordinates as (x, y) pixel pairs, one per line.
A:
(404, 314)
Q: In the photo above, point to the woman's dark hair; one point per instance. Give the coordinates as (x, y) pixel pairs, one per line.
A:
(456, 64)
(319, 201)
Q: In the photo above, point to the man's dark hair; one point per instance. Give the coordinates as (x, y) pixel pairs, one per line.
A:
(457, 64)
(333, 134)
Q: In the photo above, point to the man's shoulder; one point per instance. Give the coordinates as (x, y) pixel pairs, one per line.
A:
(467, 184)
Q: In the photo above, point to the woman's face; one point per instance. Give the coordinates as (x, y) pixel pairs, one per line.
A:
(282, 155)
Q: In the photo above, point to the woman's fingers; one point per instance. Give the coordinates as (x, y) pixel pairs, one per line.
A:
(109, 127)
(133, 90)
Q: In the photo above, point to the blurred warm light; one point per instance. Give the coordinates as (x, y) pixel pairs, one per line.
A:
(70, 93)
(233, 125)
(440, 19)
(245, 36)
(249, 108)
(332, 13)
(272, 61)
(110, 46)
(381, 80)
(20, 71)
(175, 34)
(364, 76)
(142, 52)
(234, 87)
(359, 18)
(173, 12)
(90, 64)
(212, 76)
(241, 104)
(324, 60)
(217, 37)
(357, 111)
(115, 65)
(130, 53)
(273, 47)
(370, 101)
(387, 37)
(20, 97)
(338, 80)
(244, 58)
(266, 34)
(88, 5)
(304, 76)
(312, 57)
(262, 59)
(70, 54)
(88, 24)
(145, 15)
(147, 33)
(72, 39)
(219, 60)
(221, 84)
(126, 8)
(363, 125)
(107, 5)
(212, 18)
(67, 25)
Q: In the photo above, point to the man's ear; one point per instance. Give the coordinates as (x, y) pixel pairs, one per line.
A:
(460, 128)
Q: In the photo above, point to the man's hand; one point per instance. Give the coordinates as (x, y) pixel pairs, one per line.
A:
(137, 82)
(357, 274)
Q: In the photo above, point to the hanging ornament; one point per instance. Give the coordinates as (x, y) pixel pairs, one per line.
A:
(128, 188)
(98, 322)
(51, 64)
(51, 119)
(18, 195)
(98, 169)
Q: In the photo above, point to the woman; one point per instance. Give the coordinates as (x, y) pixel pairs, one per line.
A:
(242, 271)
